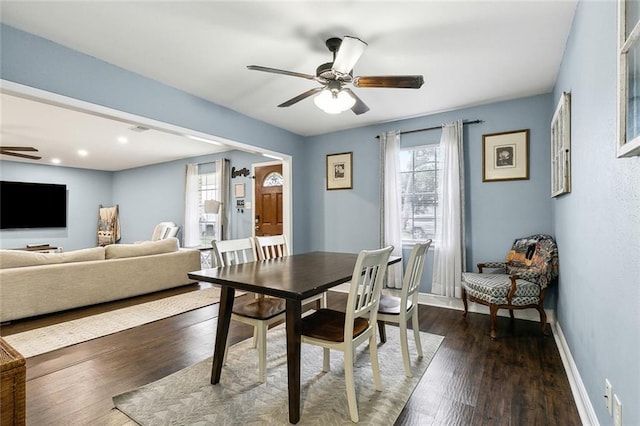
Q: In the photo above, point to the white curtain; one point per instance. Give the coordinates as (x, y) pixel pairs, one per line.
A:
(223, 182)
(391, 224)
(191, 232)
(449, 238)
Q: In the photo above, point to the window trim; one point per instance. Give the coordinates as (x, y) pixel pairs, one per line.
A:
(626, 148)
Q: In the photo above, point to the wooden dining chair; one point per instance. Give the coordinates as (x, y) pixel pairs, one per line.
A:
(399, 310)
(260, 312)
(276, 246)
(345, 331)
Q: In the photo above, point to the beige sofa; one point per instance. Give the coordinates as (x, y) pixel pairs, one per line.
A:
(40, 283)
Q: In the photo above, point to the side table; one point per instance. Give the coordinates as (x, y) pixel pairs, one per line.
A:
(41, 249)
(13, 373)
(206, 255)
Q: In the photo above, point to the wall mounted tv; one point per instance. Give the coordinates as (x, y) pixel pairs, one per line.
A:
(32, 205)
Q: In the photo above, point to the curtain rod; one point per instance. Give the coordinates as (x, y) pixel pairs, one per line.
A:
(435, 127)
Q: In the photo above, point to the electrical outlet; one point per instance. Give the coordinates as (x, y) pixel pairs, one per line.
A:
(617, 411)
(608, 396)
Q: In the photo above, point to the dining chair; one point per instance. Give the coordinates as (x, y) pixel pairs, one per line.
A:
(399, 310)
(345, 331)
(276, 246)
(260, 312)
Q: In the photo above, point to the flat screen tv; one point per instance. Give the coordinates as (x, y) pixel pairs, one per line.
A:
(32, 205)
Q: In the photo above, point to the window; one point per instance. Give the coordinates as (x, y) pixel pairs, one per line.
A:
(419, 181)
(273, 179)
(628, 78)
(208, 226)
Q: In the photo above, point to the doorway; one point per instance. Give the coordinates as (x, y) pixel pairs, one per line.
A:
(268, 200)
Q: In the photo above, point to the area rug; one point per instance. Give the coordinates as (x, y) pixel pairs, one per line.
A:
(187, 397)
(45, 339)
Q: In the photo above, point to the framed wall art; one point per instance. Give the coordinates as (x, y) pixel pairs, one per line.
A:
(561, 147)
(628, 79)
(339, 171)
(238, 190)
(505, 156)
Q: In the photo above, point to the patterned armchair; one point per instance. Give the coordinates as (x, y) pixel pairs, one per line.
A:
(520, 282)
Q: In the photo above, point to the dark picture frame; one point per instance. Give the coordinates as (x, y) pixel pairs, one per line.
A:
(505, 156)
(340, 171)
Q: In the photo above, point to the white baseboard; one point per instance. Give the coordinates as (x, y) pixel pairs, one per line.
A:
(583, 403)
(580, 396)
(455, 303)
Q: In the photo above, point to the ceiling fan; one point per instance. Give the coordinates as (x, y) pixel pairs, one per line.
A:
(10, 150)
(333, 76)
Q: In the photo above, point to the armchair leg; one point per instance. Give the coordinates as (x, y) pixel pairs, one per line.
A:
(464, 301)
(543, 319)
(493, 310)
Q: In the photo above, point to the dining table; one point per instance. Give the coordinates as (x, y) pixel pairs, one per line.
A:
(293, 278)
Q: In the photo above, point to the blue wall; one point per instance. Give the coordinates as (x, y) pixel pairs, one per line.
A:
(496, 212)
(598, 224)
(36, 62)
(153, 194)
(86, 190)
(145, 196)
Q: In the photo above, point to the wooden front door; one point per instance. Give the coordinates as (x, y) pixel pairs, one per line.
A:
(268, 200)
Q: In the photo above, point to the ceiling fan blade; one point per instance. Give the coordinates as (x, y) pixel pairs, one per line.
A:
(359, 107)
(284, 72)
(350, 51)
(390, 81)
(15, 154)
(18, 148)
(301, 97)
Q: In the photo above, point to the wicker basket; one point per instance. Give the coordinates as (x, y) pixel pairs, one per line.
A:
(12, 385)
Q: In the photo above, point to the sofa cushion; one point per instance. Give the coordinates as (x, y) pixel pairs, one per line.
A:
(20, 258)
(119, 251)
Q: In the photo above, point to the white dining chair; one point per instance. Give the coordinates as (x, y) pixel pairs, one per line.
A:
(260, 312)
(276, 246)
(345, 331)
(399, 310)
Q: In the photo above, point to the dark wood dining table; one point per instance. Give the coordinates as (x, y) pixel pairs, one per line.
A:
(293, 278)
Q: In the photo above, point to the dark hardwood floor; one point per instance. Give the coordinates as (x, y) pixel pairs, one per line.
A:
(517, 380)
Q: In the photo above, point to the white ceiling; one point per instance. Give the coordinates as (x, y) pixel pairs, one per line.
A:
(60, 133)
(469, 52)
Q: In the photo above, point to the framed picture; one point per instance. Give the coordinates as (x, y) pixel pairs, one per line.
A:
(339, 171)
(561, 147)
(238, 190)
(628, 79)
(505, 156)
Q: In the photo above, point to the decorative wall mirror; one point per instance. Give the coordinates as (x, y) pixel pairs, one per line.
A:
(561, 147)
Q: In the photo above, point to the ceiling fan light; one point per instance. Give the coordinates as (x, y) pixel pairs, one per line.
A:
(334, 103)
